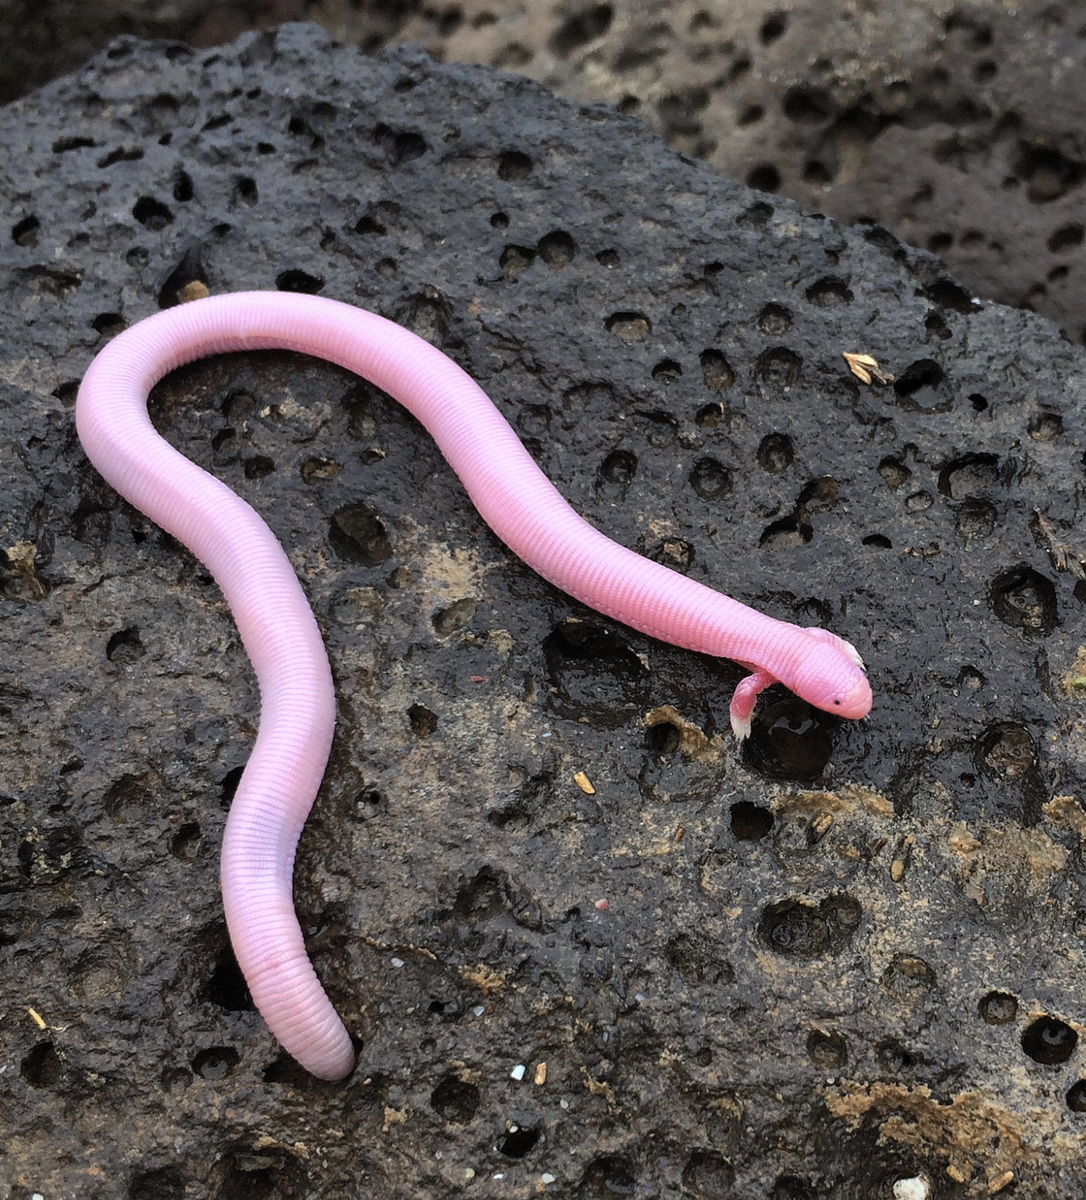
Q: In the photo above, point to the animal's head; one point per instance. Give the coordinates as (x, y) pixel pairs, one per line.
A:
(829, 674)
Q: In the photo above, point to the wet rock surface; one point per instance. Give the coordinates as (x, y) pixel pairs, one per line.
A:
(838, 958)
(953, 123)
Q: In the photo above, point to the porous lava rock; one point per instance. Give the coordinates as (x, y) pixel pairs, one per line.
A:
(838, 959)
(956, 124)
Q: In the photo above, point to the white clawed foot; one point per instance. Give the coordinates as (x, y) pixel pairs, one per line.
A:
(740, 727)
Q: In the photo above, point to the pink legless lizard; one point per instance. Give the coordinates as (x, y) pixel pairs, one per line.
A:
(297, 702)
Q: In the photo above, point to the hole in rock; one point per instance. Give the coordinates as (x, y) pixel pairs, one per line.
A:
(593, 674)
(828, 1051)
(998, 1008)
(1006, 752)
(908, 978)
(216, 1062)
(423, 722)
(1024, 599)
(707, 1175)
(455, 617)
(628, 327)
(41, 1066)
(358, 536)
(227, 988)
(299, 281)
(455, 1101)
(512, 164)
(716, 371)
(608, 1178)
(125, 646)
(518, 1142)
(710, 479)
(917, 387)
(151, 213)
(557, 249)
(798, 928)
(664, 739)
(778, 367)
(1049, 1041)
(750, 822)
(969, 473)
(775, 320)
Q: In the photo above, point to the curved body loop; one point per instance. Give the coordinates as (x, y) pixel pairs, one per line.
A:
(280, 635)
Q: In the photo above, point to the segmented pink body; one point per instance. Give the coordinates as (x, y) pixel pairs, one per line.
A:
(297, 702)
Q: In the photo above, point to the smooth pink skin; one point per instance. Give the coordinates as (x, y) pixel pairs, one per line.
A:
(297, 700)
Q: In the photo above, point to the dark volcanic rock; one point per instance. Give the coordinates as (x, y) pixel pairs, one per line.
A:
(957, 124)
(844, 957)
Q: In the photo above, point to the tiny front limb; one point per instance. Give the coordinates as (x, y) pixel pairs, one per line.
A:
(744, 698)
